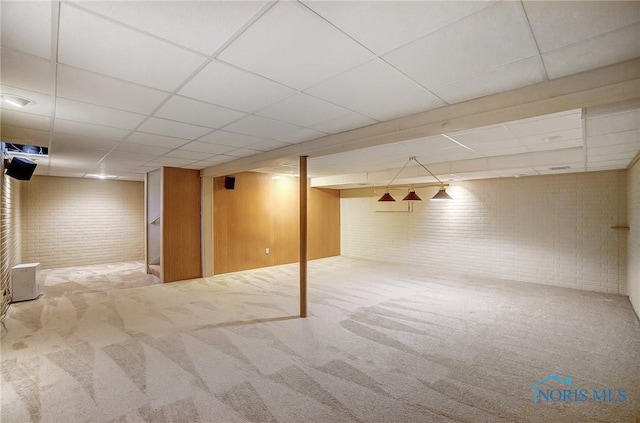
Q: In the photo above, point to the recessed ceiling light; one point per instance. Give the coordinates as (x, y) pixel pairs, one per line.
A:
(16, 100)
(519, 175)
(100, 176)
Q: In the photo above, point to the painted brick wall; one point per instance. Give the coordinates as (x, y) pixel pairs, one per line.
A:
(10, 223)
(74, 221)
(633, 272)
(548, 229)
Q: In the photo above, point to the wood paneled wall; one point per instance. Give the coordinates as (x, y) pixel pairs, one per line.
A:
(262, 212)
(180, 224)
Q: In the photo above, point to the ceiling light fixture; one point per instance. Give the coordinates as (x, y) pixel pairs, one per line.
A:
(412, 196)
(16, 100)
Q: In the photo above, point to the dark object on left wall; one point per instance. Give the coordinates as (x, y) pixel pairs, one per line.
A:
(229, 182)
(20, 168)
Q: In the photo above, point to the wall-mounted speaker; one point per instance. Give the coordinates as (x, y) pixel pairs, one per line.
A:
(229, 182)
(21, 169)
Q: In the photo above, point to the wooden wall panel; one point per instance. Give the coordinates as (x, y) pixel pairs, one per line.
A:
(324, 223)
(263, 212)
(285, 212)
(180, 224)
(241, 223)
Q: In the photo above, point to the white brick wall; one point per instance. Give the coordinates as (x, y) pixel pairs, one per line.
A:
(548, 229)
(74, 221)
(633, 265)
(10, 224)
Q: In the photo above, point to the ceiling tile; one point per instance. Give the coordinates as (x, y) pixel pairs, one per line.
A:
(89, 113)
(258, 126)
(25, 71)
(24, 135)
(211, 24)
(183, 153)
(171, 128)
(155, 140)
(171, 161)
(93, 43)
(303, 110)
(551, 138)
(557, 24)
(492, 38)
(267, 145)
(80, 140)
(141, 149)
(546, 124)
(219, 83)
(27, 17)
(593, 53)
(429, 143)
(85, 129)
(625, 137)
(618, 122)
(556, 145)
(385, 25)
(231, 139)
(78, 84)
(317, 52)
(482, 135)
(25, 120)
(204, 147)
(375, 88)
(196, 112)
(511, 76)
(242, 152)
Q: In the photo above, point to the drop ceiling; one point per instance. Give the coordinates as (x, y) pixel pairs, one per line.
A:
(122, 88)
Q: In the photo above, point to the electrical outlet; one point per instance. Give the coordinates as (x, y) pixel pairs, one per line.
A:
(266, 250)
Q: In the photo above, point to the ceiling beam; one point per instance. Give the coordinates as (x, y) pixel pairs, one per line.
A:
(609, 84)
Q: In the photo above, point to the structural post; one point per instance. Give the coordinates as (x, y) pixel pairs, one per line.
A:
(303, 236)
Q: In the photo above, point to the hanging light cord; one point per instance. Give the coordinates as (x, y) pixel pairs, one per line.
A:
(425, 168)
(394, 178)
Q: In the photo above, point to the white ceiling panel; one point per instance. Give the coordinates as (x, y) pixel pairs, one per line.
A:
(171, 161)
(25, 71)
(89, 113)
(494, 37)
(231, 139)
(184, 154)
(618, 122)
(219, 83)
(385, 25)
(546, 124)
(23, 135)
(241, 152)
(258, 126)
(24, 120)
(41, 103)
(93, 43)
(95, 131)
(155, 140)
(197, 112)
(429, 143)
(205, 147)
(303, 110)
(211, 23)
(374, 88)
(511, 76)
(593, 53)
(559, 24)
(556, 144)
(26, 26)
(141, 149)
(267, 145)
(81, 85)
(316, 52)
(82, 141)
(172, 128)
(552, 138)
(482, 135)
(625, 137)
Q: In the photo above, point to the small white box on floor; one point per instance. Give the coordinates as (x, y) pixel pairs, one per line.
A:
(25, 282)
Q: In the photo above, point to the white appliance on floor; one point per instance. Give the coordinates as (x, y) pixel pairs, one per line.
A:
(25, 282)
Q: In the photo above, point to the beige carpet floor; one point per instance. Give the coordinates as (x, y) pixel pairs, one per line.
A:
(382, 344)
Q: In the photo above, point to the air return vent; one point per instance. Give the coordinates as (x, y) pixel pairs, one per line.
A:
(560, 167)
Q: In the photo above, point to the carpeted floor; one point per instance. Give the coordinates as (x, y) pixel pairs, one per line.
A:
(382, 344)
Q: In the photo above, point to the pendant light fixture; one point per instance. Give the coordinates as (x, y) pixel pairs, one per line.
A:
(412, 196)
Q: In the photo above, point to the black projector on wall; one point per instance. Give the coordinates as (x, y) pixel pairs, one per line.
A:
(20, 168)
